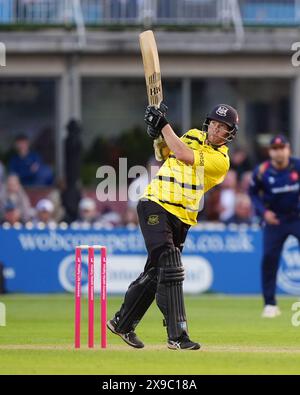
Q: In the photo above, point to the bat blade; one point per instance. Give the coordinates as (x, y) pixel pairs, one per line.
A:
(151, 68)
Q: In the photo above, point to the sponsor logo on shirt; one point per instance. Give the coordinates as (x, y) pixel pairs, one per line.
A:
(286, 188)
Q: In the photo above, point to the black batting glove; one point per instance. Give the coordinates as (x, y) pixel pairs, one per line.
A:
(155, 118)
(153, 133)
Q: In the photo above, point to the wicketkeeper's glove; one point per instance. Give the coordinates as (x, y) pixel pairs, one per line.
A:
(155, 118)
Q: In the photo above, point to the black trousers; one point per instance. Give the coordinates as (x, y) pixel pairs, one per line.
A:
(161, 231)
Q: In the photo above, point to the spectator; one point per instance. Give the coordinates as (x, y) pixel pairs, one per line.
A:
(56, 198)
(130, 218)
(44, 212)
(243, 210)
(240, 162)
(212, 209)
(245, 182)
(110, 218)
(14, 192)
(44, 144)
(137, 187)
(28, 165)
(88, 213)
(12, 214)
(227, 196)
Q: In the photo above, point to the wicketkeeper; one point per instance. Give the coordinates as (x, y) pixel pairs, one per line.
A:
(196, 162)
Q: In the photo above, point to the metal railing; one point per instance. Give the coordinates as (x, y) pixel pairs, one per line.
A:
(36, 11)
(122, 12)
(273, 12)
(149, 12)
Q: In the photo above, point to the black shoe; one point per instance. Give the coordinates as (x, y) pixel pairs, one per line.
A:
(183, 343)
(129, 338)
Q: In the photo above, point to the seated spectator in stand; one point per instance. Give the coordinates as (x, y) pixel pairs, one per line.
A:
(28, 165)
(212, 207)
(239, 161)
(138, 185)
(245, 181)
(243, 213)
(227, 195)
(56, 198)
(130, 218)
(88, 213)
(110, 218)
(14, 192)
(11, 214)
(44, 212)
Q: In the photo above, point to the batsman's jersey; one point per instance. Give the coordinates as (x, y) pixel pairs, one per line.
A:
(179, 188)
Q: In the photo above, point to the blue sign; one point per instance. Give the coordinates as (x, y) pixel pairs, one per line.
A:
(225, 261)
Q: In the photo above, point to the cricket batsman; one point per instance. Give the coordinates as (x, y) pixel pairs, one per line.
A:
(195, 163)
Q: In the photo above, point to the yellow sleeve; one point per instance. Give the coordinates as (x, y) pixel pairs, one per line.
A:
(216, 164)
(194, 139)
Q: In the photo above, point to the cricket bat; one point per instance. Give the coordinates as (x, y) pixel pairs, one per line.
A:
(153, 84)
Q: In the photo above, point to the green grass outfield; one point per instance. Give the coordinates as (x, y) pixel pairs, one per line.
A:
(38, 339)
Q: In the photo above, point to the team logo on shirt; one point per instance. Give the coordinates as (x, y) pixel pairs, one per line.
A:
(271, 180)
(153, 219)
(222, 111)
(288, 278)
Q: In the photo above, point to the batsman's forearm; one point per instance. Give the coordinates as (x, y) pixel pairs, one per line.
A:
(181, 151)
